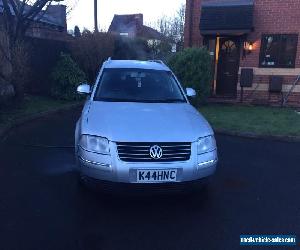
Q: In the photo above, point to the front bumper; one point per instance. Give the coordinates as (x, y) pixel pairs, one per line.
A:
(110, 187)
(110, 168)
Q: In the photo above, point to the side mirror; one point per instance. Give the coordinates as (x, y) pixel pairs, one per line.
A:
(84, 89)
(190, 92)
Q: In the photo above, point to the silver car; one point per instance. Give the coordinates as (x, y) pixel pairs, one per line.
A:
(138, 127)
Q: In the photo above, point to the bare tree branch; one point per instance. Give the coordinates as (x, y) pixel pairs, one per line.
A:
(24, 2)
(5, 53)
(18, 16)
(35, 9)
(36, 16)
(3, 76)
(14, 6)
(41, 14)
(8, 18)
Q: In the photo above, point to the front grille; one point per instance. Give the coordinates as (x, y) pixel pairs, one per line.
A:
(140, 152)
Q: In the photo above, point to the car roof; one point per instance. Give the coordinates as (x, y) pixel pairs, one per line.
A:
(135, 64)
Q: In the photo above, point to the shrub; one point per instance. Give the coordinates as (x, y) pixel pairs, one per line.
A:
(192, 66)
(66, 76)
(130, 49)
(90, 50)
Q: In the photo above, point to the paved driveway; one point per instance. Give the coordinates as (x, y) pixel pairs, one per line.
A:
(255, 191)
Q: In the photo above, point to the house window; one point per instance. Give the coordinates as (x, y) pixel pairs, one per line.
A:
(278, 51)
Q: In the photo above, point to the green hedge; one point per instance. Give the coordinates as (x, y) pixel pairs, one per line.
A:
(192, 66)
(66, 76)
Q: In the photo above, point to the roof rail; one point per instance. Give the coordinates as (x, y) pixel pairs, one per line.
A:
(157, 61)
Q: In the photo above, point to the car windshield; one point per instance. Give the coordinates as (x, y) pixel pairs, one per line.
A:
(138, 85)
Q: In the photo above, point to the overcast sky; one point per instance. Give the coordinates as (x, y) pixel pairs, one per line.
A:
(82, 14)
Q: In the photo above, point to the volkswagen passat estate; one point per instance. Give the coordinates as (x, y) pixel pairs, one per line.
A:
(137, 126)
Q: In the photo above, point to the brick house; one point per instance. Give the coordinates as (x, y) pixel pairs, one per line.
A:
(132, 26)
(253, 45)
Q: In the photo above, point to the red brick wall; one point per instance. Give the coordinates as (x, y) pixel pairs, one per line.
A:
(192, 37)
(270, 17)
(266, 98)
(274, 17)
(187, 24)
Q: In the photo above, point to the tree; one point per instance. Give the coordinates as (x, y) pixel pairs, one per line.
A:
(127, 48)
(160, 50)
(178, 27)
(77, 32)
(91, 50)
(18, 16)
(96, 15)
(173, 27)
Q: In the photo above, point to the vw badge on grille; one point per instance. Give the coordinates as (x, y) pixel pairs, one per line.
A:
(156, 152)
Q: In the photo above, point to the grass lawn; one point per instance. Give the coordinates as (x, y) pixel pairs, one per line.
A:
(30, 106)
(246, 119)
(256, 120)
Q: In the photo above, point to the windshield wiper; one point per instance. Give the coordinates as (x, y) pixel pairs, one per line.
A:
(142, 101)
(117, 100)
(171, 100)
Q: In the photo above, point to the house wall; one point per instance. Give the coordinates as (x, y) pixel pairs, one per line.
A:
(192, 37)
(46, 31)
(59, 13)
(270, 17)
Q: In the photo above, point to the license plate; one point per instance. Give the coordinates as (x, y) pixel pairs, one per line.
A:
(154, 176)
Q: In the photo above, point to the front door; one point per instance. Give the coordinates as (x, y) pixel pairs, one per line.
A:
(228, 67)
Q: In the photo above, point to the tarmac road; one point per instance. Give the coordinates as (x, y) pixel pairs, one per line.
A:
(255, 191)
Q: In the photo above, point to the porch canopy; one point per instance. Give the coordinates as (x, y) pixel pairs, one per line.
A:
(232, 17)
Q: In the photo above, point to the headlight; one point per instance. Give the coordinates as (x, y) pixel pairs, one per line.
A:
(95, 144)
(206, 144)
